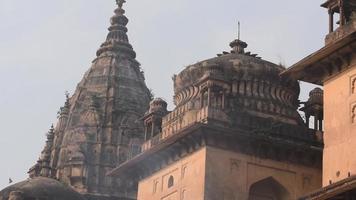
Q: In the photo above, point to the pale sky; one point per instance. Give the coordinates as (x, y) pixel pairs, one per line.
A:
(46, 46)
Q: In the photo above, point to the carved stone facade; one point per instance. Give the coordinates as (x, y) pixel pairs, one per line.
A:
(99, 125)
(235, 132)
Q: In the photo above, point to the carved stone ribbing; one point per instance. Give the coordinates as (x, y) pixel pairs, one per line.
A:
(99, 124)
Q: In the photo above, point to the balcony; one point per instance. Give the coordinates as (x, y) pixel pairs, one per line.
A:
(178, 120)
(341, 32)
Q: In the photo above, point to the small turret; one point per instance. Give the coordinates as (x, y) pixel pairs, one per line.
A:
(153, 118)
(314, 107)
(63, 115)
(43, 167)
(346, 9)
(46, 154)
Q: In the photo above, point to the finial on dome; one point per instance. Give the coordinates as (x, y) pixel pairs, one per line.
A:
(238, 46)
(238, 30)
(120, 3)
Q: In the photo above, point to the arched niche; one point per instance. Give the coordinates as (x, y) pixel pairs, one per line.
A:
(353, 113)
(268, 189)
(170, 182)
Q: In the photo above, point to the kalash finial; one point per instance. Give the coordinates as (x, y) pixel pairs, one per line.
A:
(120, 3)
(238, 30)
(238, 46)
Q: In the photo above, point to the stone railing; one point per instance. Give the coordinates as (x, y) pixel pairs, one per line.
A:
(210, 113)
(172, 116)
(341, 32)
(177, 120)
(152, 142)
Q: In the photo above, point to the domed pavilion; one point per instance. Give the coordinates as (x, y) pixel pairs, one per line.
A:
(235, 133)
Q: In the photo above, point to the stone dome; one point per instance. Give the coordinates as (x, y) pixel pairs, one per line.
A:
(40, 188)
(158, 105)
(316, 96)
(245, 78)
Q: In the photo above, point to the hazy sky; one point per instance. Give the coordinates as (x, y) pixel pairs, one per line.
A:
(46, 46)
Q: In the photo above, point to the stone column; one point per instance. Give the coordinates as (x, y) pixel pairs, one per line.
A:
(320, 125)
(331, 21)
(146, 131)
(201, 99)
(153, 129)
(342, 12)
(209, 96)
(307, 118)
(316, 122)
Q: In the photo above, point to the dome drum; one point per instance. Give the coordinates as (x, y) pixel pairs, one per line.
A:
(243, 81)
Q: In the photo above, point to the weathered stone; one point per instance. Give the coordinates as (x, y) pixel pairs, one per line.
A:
(40, 188)
(235, 134)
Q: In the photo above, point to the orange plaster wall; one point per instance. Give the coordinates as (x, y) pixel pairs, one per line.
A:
(215, 174)
(189, 178)
(340, 128)
(229, 175)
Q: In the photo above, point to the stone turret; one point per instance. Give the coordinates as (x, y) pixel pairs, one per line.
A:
(314, 107)
(63, 115)
(46, 155)
(153, 117)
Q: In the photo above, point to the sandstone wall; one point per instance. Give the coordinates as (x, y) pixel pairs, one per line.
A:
(340, 126)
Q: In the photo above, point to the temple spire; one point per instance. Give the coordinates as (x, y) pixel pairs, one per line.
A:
(117, 39)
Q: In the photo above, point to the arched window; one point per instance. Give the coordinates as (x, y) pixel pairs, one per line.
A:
(155, 186)
(353, 86)
(170, 181)
(268, 189)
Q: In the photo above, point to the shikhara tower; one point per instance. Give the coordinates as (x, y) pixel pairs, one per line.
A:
(99, 126)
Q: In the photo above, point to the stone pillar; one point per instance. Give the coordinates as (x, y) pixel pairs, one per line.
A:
(342, 12)
(153, 129)
(201, 99)
(331, 21)
(209, 96)
(316, 122)
(146, 131)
